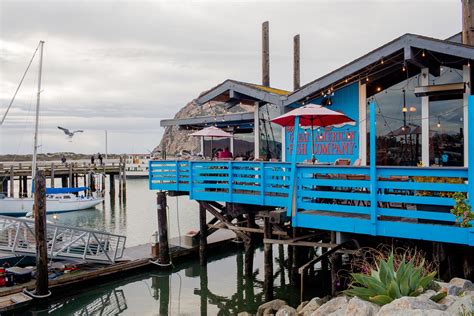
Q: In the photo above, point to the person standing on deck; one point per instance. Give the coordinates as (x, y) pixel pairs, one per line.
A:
(92, 159)
(100, 159)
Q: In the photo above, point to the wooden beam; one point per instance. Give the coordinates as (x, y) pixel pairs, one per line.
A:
(299, 243)
(224, 220)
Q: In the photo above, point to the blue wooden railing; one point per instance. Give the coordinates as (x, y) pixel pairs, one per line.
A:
(406, 202)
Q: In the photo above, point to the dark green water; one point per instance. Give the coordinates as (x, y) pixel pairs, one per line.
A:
(218, 289)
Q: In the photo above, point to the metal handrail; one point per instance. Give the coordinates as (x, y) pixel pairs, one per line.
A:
(17, 236)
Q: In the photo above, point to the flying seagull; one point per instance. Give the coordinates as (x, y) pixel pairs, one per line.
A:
(68, 132)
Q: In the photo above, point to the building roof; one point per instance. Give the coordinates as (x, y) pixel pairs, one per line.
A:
(236, 122)
(233, 92)
(403, 50)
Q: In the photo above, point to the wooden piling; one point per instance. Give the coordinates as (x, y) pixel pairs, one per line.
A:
(20, 187)
(124, 179)
(164, 294)
(164, 251)
(249, 247)
(64, 181)
(112, 186)
(52, 175)
(265, 55)
(296, 62)
(268, 260)
(335, 265)
(204, 289)
(71, 176)
(39, 210)
(120, 179)
(25, 186)
(12, 182)
(203, 235)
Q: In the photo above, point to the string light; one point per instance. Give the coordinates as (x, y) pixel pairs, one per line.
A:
(381, 61)
(423, 53)
(468, 63)
(404, 68)
(412, 109)
(367, 79)
(404, 109)
(379, 89)
(439, 123)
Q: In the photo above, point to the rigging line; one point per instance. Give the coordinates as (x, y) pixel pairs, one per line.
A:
(19, 85)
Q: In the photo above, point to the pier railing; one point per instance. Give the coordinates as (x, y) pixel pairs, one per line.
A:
(408, 202)
(17, 235)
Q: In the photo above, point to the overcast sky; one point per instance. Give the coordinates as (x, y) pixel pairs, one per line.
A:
(122, 66)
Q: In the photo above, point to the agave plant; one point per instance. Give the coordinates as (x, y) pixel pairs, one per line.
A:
(386, 284)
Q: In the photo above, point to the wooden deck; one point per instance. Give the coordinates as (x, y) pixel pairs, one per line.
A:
(136, 257)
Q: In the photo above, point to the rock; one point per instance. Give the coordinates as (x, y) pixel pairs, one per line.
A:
(461, 306)
(301, 306)
(457, 285)
(427, 294)
(358, 307)
(411, 306)
(335, 307)
(312, 305)
(270, 307)
(448, 300)
(286, 311)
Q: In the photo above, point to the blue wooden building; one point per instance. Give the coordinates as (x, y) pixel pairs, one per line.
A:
(405, 157)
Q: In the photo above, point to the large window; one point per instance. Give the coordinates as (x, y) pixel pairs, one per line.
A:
(398, 130)
(446, 124)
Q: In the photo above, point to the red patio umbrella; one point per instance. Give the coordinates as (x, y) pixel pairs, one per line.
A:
(315, 116)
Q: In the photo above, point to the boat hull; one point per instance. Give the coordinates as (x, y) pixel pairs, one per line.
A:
(15, 206)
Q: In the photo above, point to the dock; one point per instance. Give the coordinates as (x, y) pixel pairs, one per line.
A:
(135, 258)
(68, 174)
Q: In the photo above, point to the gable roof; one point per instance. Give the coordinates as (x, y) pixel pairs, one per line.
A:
(406, 46)
(232, 91)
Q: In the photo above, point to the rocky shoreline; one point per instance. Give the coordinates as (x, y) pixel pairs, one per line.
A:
(459, 300)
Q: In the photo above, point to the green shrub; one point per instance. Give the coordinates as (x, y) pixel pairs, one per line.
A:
(385, 283)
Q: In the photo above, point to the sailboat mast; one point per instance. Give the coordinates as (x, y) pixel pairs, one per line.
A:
(35, 148)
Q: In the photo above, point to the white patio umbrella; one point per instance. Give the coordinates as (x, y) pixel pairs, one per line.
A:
(212, 132)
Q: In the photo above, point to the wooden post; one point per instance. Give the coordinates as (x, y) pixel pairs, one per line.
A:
(124, 180)
(468, 22)
(296, 62)
(249, 247)
(164, 294)
(71, 176)
(268, 260)
(265, 55)
(4, 186)
(25, 186)
(334, 259)
(164, 251)
(204, 289)
(112, 185)
(103, 184)
(12, 182)
(203, 235)
(120, 178)
(39, 210)
(20, 191)
(52, 175)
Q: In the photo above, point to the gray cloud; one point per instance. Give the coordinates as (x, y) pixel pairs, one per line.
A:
(124, 65)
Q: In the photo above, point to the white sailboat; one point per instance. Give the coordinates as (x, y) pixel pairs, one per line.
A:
(57, 199)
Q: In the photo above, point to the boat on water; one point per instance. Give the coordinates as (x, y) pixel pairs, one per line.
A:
(57, 199)
(136, 165)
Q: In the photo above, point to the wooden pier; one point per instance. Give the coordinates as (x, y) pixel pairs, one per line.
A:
(69, 175)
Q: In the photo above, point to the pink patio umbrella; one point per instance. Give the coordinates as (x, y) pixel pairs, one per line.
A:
(212, 132)
(315, 116)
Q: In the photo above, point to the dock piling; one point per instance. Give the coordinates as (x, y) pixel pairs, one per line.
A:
(203, 235)
(12, 183)
(71, 176)
(39, 210)
(249, 247)
(268, 260)
(164, 251)
(52, 175)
